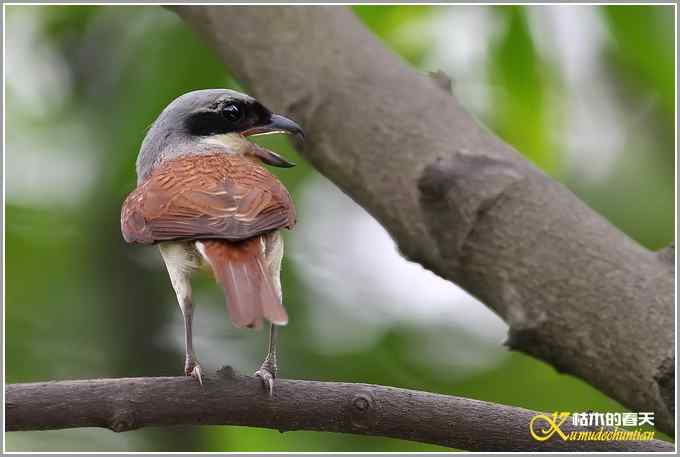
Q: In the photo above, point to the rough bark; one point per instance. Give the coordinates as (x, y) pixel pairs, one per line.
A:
(575, 291)
(232, 399)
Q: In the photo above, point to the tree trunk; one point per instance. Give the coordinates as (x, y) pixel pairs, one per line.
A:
(575, 291)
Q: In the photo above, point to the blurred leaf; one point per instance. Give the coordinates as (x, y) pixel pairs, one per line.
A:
(391, 23)
(644, 45)
(519, 81)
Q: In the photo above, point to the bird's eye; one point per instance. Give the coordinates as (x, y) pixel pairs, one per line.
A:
(232, 112)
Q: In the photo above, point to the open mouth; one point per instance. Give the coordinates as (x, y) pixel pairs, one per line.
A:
(259, 131)
(277, 124)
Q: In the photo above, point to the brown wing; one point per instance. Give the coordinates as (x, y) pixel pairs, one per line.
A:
(206, 196)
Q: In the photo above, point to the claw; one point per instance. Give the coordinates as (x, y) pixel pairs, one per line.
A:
(195, 373)
(267, 379)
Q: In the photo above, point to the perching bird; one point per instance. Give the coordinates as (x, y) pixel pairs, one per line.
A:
(204, 197)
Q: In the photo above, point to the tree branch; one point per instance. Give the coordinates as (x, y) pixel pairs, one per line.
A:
(232, 399)
(576, 292)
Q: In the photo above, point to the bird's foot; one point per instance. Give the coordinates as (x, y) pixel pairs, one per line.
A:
(193, 369)
(267, 373)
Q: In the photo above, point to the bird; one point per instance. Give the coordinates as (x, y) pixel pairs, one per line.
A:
(205, 198)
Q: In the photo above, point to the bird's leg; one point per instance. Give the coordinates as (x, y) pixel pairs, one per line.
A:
(269, 367)
(180, 261)
(191, 366)
(273, 255)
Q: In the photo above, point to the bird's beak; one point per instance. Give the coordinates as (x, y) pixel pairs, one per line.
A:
(276, 124)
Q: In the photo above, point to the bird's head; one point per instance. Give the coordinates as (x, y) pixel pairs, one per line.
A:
(204, 120)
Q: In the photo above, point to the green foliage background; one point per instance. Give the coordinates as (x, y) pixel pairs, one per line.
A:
(82, 304)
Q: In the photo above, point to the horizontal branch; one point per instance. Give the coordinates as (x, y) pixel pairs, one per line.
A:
(232, 399)
(574, 290)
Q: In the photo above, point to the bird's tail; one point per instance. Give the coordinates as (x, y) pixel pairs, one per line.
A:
(240, 268)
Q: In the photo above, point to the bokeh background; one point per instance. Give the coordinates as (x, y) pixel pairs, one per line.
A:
(587, 93)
